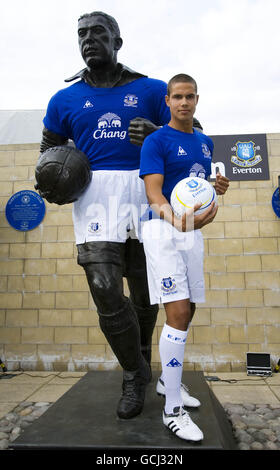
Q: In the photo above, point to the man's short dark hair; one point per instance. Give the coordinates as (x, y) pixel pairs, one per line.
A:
(113, 25)
(181, 78)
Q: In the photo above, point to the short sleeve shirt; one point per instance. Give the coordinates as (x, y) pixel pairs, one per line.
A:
(97, 119)
(176, 155)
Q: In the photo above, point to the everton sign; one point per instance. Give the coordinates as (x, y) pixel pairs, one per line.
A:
(240, 157)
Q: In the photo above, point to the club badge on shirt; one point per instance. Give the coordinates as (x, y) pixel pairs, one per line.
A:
(94, 228)
(168, 286)
(131, 101)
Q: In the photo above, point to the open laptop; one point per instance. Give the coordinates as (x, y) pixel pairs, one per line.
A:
(258, 363)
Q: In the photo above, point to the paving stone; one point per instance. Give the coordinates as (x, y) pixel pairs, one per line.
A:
(271, 446)
(256, 446)
(26, 411)
(4, 444)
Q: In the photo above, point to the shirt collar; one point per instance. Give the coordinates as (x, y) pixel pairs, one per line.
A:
(125, 74)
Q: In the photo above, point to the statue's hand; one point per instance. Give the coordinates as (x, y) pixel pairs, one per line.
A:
(139, 129)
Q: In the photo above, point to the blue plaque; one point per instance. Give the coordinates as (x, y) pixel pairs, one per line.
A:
(25, 210)
(276, 202)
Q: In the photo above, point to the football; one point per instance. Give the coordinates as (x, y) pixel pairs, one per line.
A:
(62, 174)
(190, 191)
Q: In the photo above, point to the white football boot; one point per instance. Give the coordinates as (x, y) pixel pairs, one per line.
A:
(180, 423)
(186, 397)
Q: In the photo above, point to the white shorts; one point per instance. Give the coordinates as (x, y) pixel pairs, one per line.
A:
(174, 263)
(111, 206)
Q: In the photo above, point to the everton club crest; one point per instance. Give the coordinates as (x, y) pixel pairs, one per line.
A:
(94, 227)
(131, 101)
(168, 285)
(245, 154)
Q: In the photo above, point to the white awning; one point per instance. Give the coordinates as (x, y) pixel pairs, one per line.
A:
(21, 126)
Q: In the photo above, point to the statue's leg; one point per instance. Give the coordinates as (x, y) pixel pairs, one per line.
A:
(103, 266)
(136, 274)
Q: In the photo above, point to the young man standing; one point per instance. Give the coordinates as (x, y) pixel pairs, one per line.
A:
(173, 246)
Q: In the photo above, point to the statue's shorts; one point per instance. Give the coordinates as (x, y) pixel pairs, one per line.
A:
(112, 207)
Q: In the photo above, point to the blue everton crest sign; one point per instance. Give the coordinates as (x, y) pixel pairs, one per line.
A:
(245, 156)
(240, 157)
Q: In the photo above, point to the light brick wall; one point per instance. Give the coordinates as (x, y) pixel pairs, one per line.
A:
(48, 320)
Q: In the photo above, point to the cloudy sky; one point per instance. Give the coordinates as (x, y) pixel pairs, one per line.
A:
(231, 47)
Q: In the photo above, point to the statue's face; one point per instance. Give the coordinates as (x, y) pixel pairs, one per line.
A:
(96, 41)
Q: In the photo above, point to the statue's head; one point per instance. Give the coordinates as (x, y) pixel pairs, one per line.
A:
(99, 39)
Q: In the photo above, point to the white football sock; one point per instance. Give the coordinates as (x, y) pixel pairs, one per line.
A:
(171, 349)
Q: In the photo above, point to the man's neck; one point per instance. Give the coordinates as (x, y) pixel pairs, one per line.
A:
(105, 76)
(182, 126)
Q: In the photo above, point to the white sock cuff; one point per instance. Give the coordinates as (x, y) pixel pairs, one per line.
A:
(173, 335)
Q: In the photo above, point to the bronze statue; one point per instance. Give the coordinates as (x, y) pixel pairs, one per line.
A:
(108, 113)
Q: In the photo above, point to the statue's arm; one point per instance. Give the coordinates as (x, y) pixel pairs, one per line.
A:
(140, 128)
(50, 139)
(197, 124)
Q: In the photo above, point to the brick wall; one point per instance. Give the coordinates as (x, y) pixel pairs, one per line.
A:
(48, 320)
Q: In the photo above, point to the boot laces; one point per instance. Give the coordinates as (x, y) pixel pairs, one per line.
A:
(129, 387)
(183, 417)
(185, 388)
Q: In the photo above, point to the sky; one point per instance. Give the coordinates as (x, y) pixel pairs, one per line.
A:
(231, 48)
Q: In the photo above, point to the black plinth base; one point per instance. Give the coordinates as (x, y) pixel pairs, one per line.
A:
(84, 418)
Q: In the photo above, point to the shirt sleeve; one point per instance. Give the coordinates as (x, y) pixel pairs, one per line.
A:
(152, 158)
(53, 118)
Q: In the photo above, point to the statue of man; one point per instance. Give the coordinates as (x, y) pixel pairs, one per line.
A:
(108, 113)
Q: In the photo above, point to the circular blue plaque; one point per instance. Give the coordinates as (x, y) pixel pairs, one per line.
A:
(276, 202)
(25, 210)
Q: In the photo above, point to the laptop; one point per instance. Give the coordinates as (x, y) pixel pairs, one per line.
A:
(259, 363)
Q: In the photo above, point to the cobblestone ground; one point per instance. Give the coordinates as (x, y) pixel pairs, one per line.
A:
(14, 423)
(255, 427)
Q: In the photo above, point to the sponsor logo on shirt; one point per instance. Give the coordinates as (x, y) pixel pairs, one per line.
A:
(197, 170)
(131, 101)
(181, 151)
(88, 104)
(109, 126)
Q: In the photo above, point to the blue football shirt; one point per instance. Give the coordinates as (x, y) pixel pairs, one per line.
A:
(176, 155)
(97, 119)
